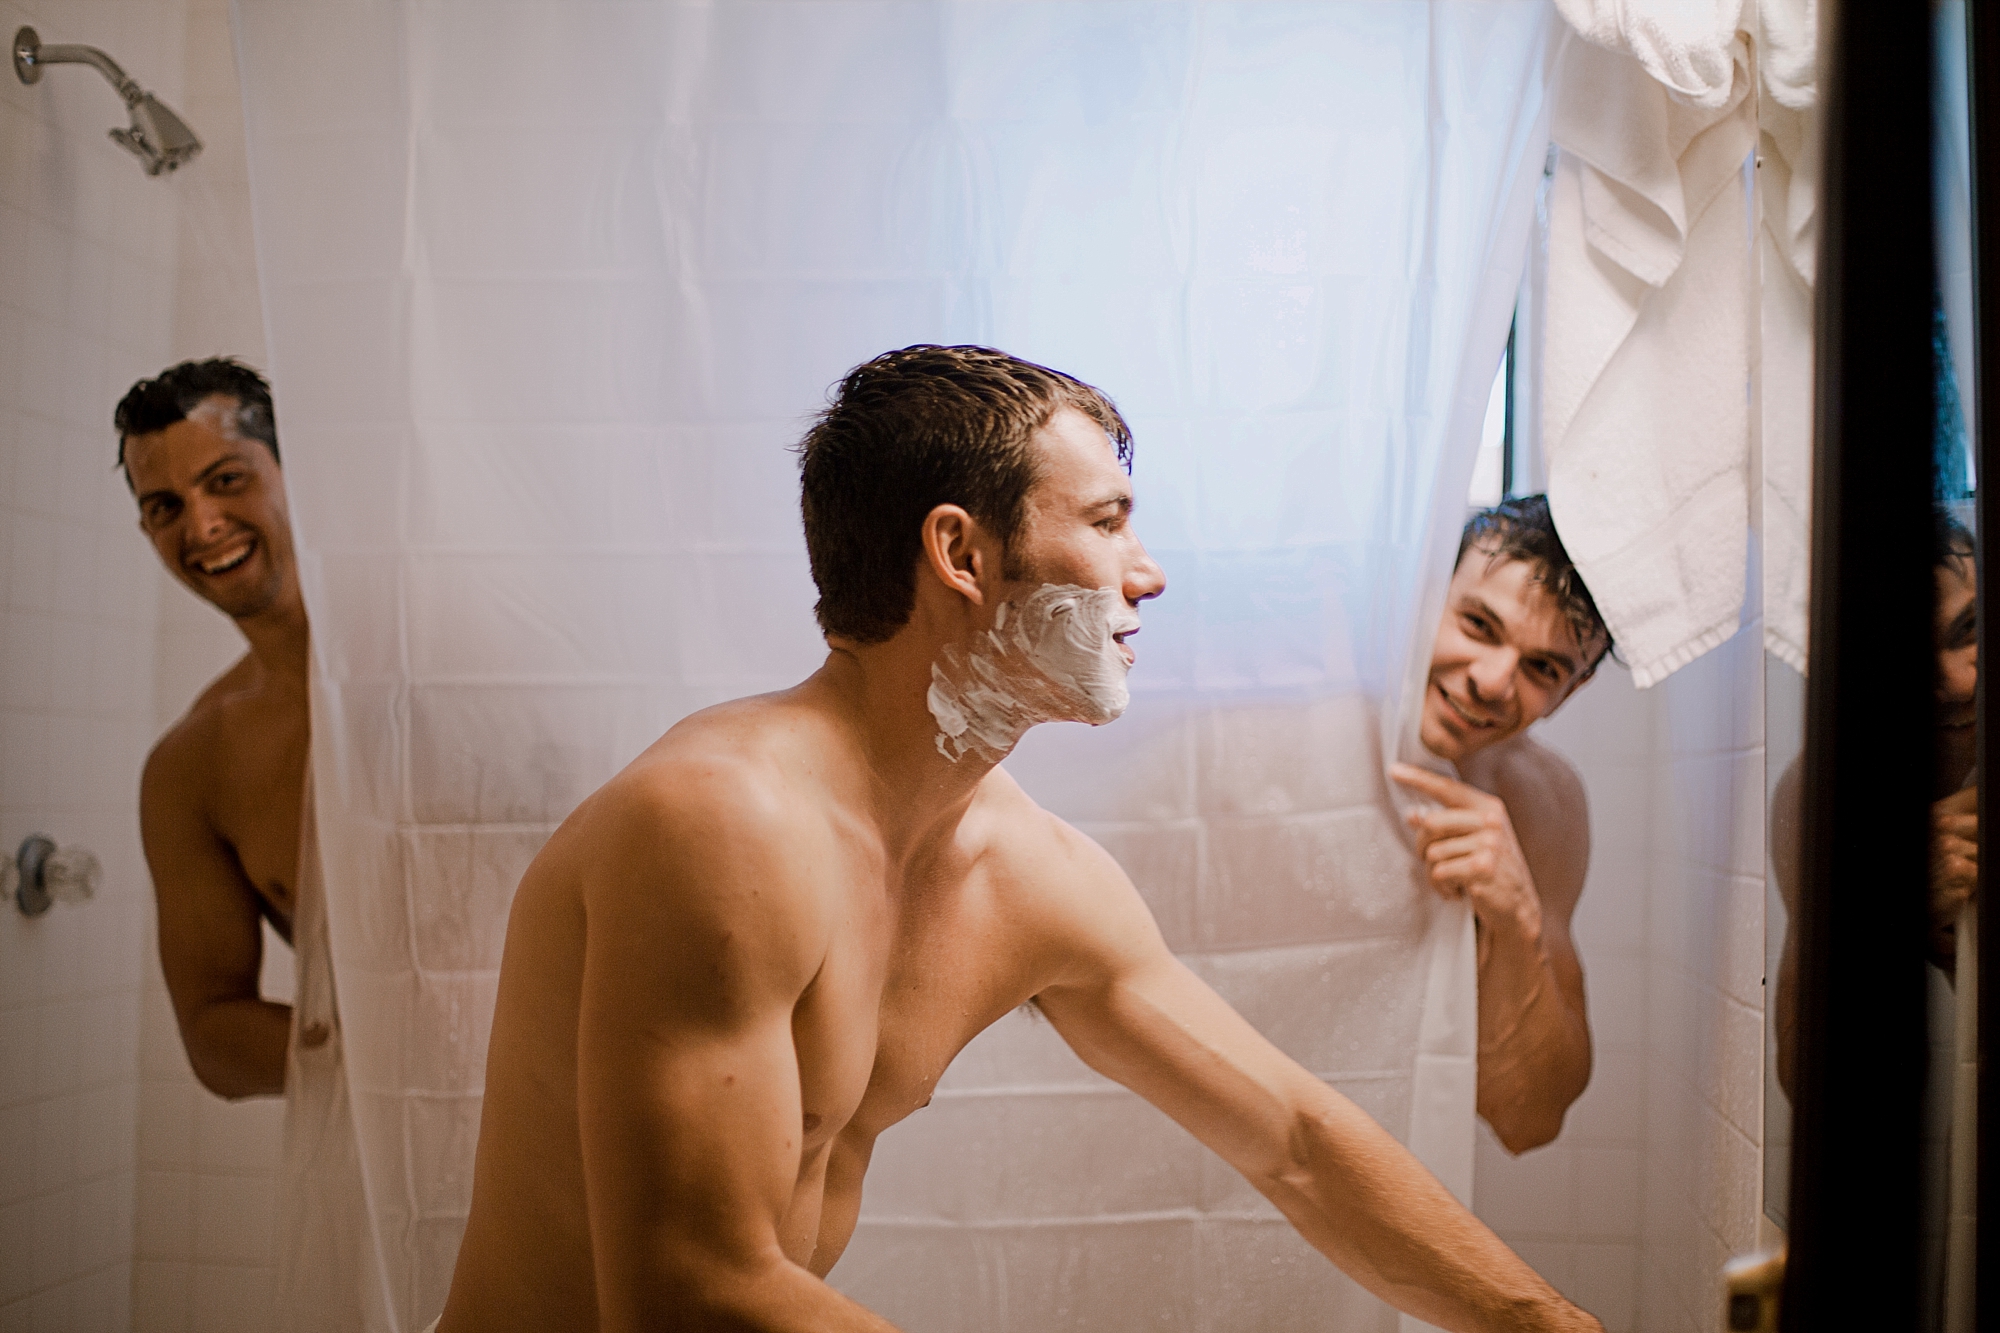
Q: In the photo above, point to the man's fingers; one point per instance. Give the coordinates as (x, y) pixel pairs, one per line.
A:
(1963, 826)
(1963, 801)
(1446, 791)
(1951, 844)
(1457, 875)
(1450, 849)
(1434, 824)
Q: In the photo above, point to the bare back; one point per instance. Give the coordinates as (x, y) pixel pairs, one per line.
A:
(908, 963)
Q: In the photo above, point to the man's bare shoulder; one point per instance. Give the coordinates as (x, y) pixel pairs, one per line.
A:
(1534, 781)
(721, 815)
(1060, 890)
(1550, 812)
(178, 758)
(1014, 837)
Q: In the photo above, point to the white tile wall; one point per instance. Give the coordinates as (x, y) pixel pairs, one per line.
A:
(1575, 1208)
(109, 1152)
(1655, 1179)
(87, 267)
(206, 1189)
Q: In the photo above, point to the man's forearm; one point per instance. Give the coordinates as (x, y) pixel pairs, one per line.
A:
(1534, 1048)
(1367, 1204)
(237, 1047)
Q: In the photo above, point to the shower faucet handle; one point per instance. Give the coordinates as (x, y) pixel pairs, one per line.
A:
(43, 874)
(27, 53)
(72, 875)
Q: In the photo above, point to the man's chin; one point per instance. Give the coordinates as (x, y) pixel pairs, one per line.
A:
(242, 603)
(1439, 740)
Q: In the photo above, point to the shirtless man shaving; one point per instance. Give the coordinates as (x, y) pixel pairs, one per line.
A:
(759, 946)
(1519, 636)
(220, 800)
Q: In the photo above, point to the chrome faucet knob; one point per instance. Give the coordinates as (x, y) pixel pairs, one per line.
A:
(42, 874)
(72, 874)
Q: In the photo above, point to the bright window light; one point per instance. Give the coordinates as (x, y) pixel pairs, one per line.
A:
(1488, 473)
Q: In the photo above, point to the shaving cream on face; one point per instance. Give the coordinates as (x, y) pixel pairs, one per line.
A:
(1050, 657)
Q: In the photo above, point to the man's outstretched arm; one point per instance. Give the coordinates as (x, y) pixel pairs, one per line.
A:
(1134, 1013)
(211, 935)
(702, 935)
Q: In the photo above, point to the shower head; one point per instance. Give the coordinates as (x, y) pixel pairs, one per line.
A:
(160, 139)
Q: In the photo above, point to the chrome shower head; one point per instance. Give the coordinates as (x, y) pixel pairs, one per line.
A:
(160, 139)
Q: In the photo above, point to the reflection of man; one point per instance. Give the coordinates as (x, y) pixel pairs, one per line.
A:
(1520, 635)
(760, 946)
(219, 805)
(1954, 859)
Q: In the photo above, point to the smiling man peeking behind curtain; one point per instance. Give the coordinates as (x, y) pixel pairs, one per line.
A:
(221, 798)
(1520, 635)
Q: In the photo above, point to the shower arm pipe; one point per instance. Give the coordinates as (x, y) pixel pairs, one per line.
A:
(72, 54)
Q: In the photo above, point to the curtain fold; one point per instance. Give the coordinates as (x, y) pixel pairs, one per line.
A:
(550, 289)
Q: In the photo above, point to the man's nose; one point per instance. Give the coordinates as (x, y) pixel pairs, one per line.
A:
(1145, 580)
(206, 518)
(1491, 675)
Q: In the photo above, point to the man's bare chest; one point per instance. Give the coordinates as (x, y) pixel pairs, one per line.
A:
(879, 1032)
(255, 795)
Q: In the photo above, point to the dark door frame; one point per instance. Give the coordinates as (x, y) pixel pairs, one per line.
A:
(1983, 93)
(1856, 1170)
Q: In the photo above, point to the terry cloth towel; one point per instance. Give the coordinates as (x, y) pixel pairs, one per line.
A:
(1646, 403)
(1787, 197)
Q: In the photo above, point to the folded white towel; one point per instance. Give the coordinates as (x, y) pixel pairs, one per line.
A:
(1646, 361)
(1686, 45)
(1788, 196)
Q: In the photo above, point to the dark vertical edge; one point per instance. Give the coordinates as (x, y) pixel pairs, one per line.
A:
(1507, 487)
(1858, 1114)
(1983, 88)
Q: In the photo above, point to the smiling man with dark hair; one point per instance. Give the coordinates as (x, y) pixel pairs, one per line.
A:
(759, 946)
(1520, 635)
(220, 802)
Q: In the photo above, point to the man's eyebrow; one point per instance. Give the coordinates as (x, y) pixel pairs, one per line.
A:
(223, 461)
(1122, 501)
(166, 493)
(1472, 601)
(1559, 658)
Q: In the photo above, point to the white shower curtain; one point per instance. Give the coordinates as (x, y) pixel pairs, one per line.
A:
(551, 287)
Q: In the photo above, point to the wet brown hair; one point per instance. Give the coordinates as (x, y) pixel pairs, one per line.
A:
(155, 404)
(909, 431)
(1523, 529)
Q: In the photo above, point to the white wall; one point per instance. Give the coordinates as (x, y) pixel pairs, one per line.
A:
(109, 1152)
(207, 1183)
(1573, 1209)
(1705, 996)
(1656, 1178)
(87, 264)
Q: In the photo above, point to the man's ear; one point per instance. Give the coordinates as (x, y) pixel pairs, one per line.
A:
(954, 551)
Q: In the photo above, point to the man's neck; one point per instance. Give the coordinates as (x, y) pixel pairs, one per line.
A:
(280, 642)
(881, 691)
(1484, 768)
